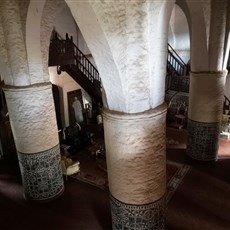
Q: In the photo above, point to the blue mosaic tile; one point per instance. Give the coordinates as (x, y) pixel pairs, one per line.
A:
(138, 217)
(203, 140)
(41, 174)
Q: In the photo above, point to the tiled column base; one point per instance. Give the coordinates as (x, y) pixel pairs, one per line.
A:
(203, 140)
(138, 217)
(41, 174)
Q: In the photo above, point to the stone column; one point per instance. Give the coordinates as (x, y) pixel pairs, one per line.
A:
(136, 162)
(204, 116)
(33, 122)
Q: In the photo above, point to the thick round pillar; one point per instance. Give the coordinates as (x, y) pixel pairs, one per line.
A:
(33, 122)
(136, 162)
(205, 112)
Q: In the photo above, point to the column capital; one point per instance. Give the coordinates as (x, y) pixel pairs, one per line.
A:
(33, 87)
(123, 117)
(221, 73)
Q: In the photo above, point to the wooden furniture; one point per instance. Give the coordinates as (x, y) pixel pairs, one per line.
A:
(69, 167)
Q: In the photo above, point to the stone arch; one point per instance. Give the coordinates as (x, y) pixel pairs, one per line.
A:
(125, 55)
(99, 47)
(226, 61)
(199, 30)
(4, 66)
(33, 43)
(184, 7)
(179, 33)
(39, 25)
(4, 70)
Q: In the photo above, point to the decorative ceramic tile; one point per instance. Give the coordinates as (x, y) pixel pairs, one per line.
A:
(138, 217)
(41, 174)
(176, 180)
(203, 140)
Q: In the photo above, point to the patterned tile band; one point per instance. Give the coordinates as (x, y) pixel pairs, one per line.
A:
(138, 217)
(41, 174)
(203, 140)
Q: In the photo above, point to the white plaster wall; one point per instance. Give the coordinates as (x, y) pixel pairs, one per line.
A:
(64, 23)
(81, 43)
(171, 37)
(67, 84)
(179, 37)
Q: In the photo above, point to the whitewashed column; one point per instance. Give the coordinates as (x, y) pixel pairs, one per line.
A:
(205, 112)
(33, 121)
(136, 159)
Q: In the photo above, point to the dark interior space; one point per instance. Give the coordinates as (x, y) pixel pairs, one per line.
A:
(199, 201)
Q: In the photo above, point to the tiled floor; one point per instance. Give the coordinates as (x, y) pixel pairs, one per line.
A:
(201, 202)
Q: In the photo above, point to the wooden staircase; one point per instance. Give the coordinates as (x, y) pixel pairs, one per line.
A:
(177, 77)
(64, 54)
(177, 90)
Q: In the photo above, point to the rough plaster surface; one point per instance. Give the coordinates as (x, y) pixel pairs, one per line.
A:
(199, 49)
(206, 96)
(208, 31)
(127, 41)
(217, 34)
(23, 7)
(32, 117)
(180, 33)
(33, 45)
(15, 45)
(50, 12)
(4, 62)
(135, 153)
(206, 6)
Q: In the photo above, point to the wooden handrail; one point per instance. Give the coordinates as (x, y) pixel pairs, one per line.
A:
(67, 46)
(65, 55)
(176, 62)
(177, 78)
(85, 65)
(175, 54)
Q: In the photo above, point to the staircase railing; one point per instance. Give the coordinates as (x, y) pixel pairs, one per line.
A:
(85, 65)
(176, 62)
(177, 78)
(68, 57)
